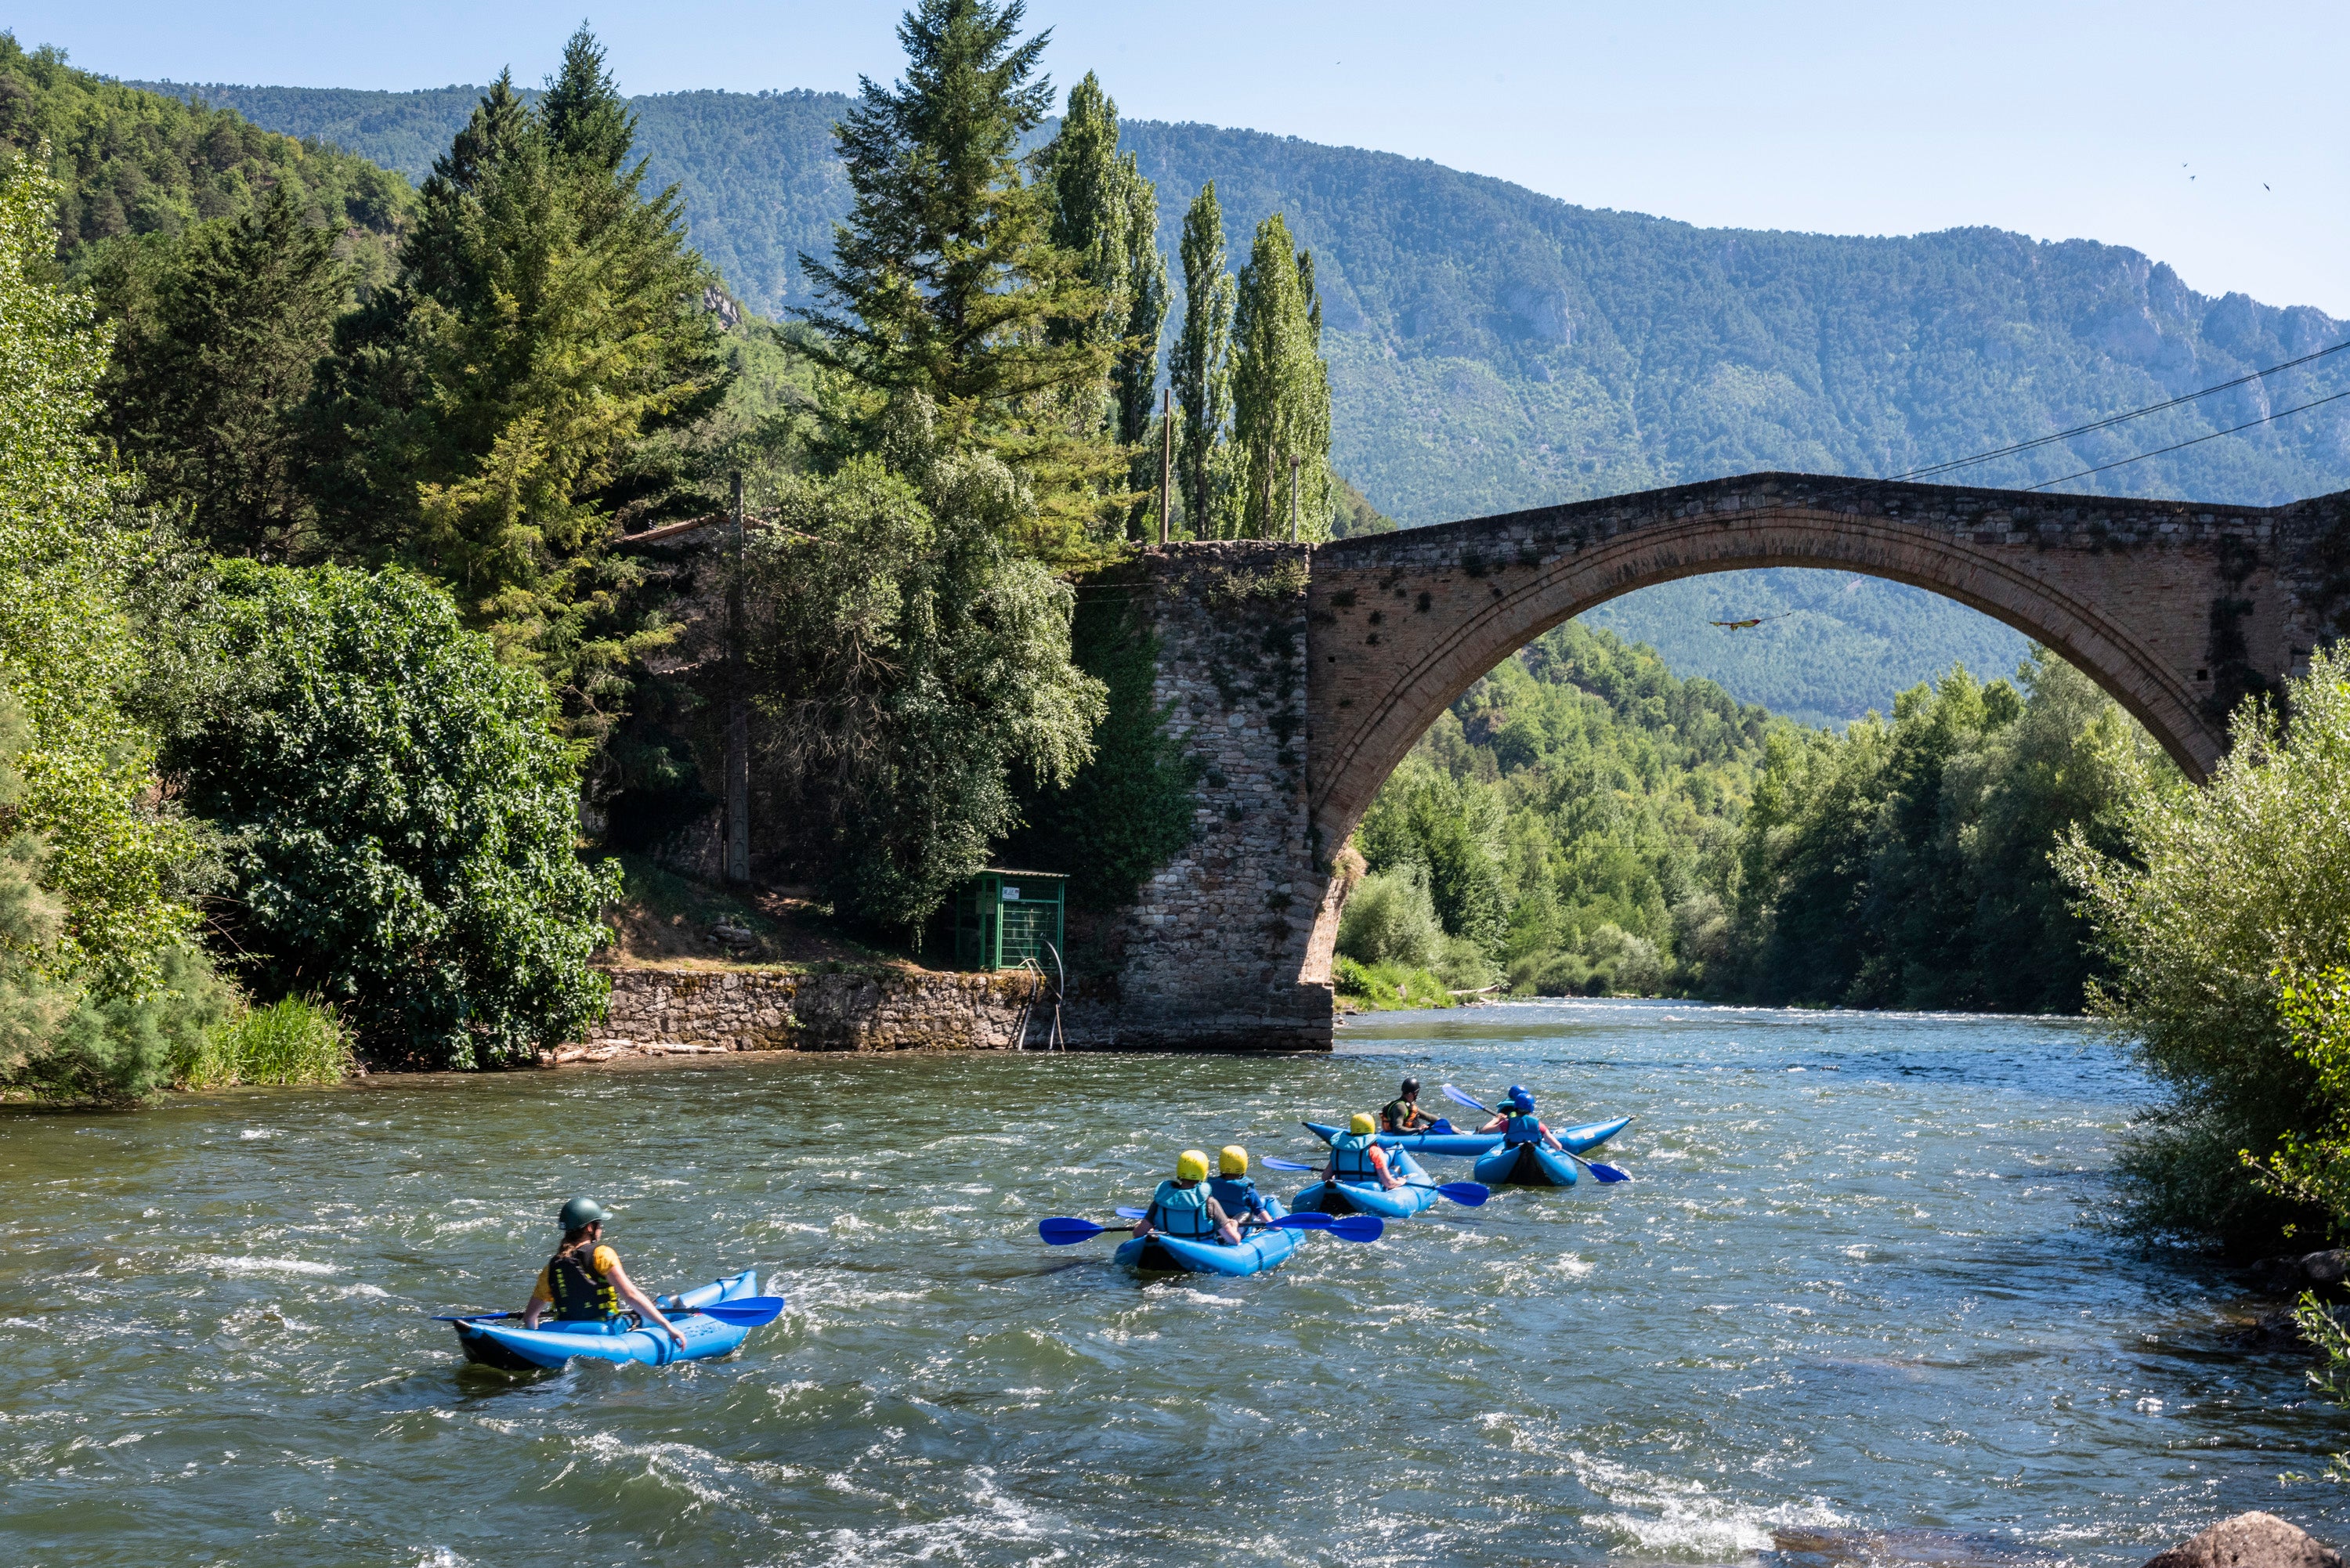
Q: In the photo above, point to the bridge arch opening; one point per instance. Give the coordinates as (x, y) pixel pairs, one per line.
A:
(1400, 627)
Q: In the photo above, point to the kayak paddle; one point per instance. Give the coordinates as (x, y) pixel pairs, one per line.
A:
(1468, 1194)
(744, 1312)
(1601, 1173)
(1063, 1231)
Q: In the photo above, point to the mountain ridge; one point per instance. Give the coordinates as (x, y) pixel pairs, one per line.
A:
(1493, 348)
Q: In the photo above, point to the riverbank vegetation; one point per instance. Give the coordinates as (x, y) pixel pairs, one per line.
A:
(328, 645)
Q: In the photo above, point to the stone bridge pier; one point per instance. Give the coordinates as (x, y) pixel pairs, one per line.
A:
(1299, 676)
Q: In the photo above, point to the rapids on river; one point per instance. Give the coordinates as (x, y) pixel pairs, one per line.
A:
(1855, 1309)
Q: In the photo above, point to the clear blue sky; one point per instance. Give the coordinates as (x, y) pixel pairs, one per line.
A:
(2209, 137)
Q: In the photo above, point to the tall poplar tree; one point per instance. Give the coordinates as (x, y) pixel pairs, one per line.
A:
(1106, 214)
(483, 418)
(945, 280)
(1281, 391)
(208, 394)
(1201, 366)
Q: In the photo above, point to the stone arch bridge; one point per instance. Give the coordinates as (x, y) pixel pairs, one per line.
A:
(1299, 675)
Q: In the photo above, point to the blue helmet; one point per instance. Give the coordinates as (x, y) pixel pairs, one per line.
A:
(1521, 1101)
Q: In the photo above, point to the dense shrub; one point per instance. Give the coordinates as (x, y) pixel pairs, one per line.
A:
(1390, 920)
(2218, 901)
(403, 819)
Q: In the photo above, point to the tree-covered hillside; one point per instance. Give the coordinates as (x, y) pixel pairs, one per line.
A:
(133, 163)
(1492, 348)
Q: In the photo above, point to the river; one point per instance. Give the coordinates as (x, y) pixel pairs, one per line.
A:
(1852, 1309)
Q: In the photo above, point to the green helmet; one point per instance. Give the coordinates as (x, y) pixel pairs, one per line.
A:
(581, 1212)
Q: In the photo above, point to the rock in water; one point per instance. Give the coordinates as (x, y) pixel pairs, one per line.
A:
(2250, 1540)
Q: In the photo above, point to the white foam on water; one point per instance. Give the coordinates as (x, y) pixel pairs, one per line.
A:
(1681, 1519)
(441, 1557)
(250, 1265)
(249, 1133)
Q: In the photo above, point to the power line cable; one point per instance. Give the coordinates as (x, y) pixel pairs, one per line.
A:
(2112, 419)
(2198, 441)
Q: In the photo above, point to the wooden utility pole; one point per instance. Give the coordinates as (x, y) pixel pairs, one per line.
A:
(1292, 501)
(738, 719)
(1167, 466)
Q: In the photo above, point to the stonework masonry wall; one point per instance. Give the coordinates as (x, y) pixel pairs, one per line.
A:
(773, 1010)
(1215, 946)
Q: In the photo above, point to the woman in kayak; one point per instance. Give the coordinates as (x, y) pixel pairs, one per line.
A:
(584, 1282)
(1402, 1114)
(1516, 1121)
(1185, 1209)
(1355, 1156)
(1233, 1190)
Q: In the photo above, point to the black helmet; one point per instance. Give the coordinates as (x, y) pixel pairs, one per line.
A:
(582, 1213)
(1411, 1085)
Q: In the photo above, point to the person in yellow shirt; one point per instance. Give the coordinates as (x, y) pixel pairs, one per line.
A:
(584, 1282)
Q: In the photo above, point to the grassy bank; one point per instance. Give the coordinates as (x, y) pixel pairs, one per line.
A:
(287, 1043)
(1388, 987)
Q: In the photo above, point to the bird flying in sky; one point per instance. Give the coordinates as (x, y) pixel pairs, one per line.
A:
(1753, 621)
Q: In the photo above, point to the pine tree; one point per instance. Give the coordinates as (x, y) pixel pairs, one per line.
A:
(484, 419)
(1201, 366)
(207, 400)
(945, 281)
(1281, 391)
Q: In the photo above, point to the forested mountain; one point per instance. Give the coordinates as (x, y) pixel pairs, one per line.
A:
(134, 163)
(1491, 348)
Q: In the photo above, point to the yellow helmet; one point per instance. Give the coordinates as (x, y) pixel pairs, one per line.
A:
(1192, 1165)
(1232, 1160)
(1362, 1124)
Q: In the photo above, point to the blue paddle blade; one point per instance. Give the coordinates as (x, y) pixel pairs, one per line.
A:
(746, 1312)
(1441, 1125)
(1302, 1222)
(1357, 1227)
(1468, 1194)
(1130, 1212)
(1063, 1231)
(1458, 1098)
(1605, 1172)
(1274, 1162)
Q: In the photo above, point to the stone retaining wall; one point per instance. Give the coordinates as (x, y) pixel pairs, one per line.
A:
(771, 1010)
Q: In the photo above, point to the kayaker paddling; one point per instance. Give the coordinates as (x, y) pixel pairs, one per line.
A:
(584, 1282)
(1185, 1209)
(1233, 1190)
(1516, 1123)
(1402, 1114)
(1355, 1156)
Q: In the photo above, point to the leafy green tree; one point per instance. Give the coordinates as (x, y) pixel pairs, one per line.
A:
(208, 400)
(2221, 913)
(99, 986)
(402, 817)
(907, 660)
(945, 281)
(1201, 370)
(481, 419)
(1281, 391)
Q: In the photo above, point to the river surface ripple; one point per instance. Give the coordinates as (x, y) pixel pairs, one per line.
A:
(1853, 1310)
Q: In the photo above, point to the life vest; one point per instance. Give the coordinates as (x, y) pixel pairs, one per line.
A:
(1350, 1157)
(581, 1292)
(1519, 1129)
(1181, 1211)
(1235, 1195)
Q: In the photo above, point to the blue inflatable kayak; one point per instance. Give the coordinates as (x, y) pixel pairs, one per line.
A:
(1581, 1139)
(1527, 1165)
(500, 1341)
(1458, 1143)
(1369, 1197)
(1260, 1249)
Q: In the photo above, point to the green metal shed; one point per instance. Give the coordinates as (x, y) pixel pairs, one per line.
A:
(1005, 917)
